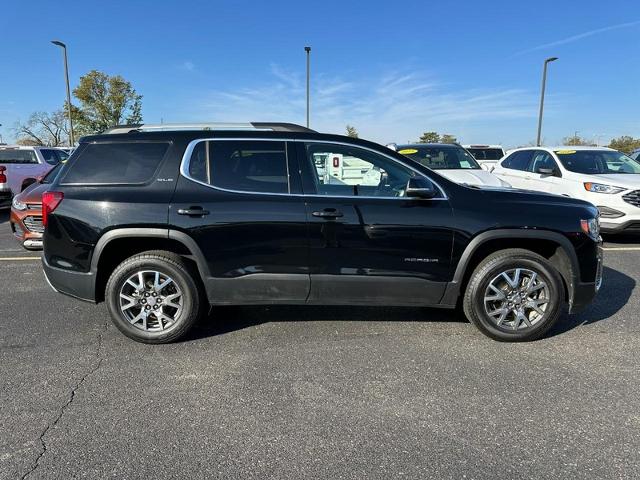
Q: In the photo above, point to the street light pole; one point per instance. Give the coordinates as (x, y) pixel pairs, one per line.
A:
(308, 50)
(66, 77)
(544, 82)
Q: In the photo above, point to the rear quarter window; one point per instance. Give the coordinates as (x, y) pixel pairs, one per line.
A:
(116, 163)
(9, 156)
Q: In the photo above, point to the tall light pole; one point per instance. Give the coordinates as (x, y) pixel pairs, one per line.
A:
(308, 50)
(544, 82)
(66, 77)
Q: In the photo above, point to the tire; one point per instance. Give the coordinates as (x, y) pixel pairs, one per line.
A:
(169, 312)
(489, 293)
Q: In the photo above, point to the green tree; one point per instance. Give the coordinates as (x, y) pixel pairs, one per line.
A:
(352, 132)
(625, 143)
(429, 137)
(575, 140)
(104, 101)
(43, 129)
(448, 138)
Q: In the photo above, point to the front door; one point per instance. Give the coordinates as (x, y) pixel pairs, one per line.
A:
(369, 243)
(235, 199)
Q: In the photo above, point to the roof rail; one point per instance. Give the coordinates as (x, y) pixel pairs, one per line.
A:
(147, 127)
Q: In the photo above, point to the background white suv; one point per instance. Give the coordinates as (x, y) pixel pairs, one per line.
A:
(486, 155)
(605, 177)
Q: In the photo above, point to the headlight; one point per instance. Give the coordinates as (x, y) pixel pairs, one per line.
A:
(602, 188)
(591, 227)
(18, 205)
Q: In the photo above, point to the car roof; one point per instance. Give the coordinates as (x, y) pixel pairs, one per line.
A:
(405, 145)
(564, 147)
(22, 147)
(476, 145)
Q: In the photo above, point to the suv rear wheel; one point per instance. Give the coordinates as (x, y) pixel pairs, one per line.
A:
(514, 295)
(153, 298)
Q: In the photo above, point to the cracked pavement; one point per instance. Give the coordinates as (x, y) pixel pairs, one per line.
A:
(293, 392)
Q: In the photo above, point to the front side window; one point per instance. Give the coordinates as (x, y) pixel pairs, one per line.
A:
(341, 170)
(540, 160)
(10, 155)
(116, 163)
(597, 162)
(518, 160)
(241, 165)
(440, 157)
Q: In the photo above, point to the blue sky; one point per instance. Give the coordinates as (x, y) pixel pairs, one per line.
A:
(391, 69)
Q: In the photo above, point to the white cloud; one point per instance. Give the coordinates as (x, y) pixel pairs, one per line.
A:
(393, 107)
(577, 37)
(188, 66)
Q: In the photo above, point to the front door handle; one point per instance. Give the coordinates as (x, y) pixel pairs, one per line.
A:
(193, 211)
(328, 213)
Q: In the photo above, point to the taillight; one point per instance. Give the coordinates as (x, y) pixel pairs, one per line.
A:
(50, 201)
(3, 177)
(336, 162)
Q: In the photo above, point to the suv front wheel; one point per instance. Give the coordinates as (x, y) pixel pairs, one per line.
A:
(153, 298)
(514, 295)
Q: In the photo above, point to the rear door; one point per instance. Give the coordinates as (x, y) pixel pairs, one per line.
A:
(370, 244)
(240, 201)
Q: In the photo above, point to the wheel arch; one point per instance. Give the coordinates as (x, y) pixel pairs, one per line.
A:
(551, 245)
(119, 244)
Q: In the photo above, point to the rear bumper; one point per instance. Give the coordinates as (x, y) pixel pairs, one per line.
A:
(79, 285)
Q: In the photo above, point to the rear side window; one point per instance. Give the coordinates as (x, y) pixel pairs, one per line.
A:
(241, 165)
(17, 156)
(116, 163)
(50, 156)
(518, 160)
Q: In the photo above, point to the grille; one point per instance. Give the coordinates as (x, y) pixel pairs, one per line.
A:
(633, 198)
(34, 206)
(34, 224)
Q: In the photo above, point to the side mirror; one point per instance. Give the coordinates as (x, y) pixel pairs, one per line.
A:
(420, 187)
(548, 171)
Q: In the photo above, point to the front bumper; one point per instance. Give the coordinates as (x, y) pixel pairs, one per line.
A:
(22, 223)
(79, 285)
(5, 198)
(630, 226)
(584, 293)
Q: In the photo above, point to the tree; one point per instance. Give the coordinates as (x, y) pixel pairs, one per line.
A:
(429, 137)
(625, 143)
(43, 129)
(105, 101)
(575, 140)
(352, 132)
(448, 138)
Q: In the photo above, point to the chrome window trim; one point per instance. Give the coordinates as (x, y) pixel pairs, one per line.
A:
(186, 158)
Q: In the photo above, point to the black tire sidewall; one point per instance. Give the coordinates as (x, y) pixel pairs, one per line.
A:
(493, 269)
(180, 275)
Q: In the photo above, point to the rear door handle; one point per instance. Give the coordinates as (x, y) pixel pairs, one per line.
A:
(193, 212)
(328, 213)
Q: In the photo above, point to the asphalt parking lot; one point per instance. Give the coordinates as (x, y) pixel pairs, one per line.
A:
(297, 392)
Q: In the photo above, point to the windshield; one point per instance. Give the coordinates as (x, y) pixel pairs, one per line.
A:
(17, 156)
(440, 157)
(596, 162)
(486, 153)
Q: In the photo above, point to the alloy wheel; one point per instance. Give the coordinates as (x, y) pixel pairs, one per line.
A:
(151, 301)
(516, 299)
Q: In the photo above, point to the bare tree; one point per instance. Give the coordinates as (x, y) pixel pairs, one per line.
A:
(43, 128)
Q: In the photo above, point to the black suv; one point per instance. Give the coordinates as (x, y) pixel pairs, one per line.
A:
(163, 221)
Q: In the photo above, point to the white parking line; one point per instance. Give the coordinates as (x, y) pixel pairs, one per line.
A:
(621, 249)
(18, 259)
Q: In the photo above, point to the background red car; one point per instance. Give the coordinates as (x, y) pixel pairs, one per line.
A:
(26, 212)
